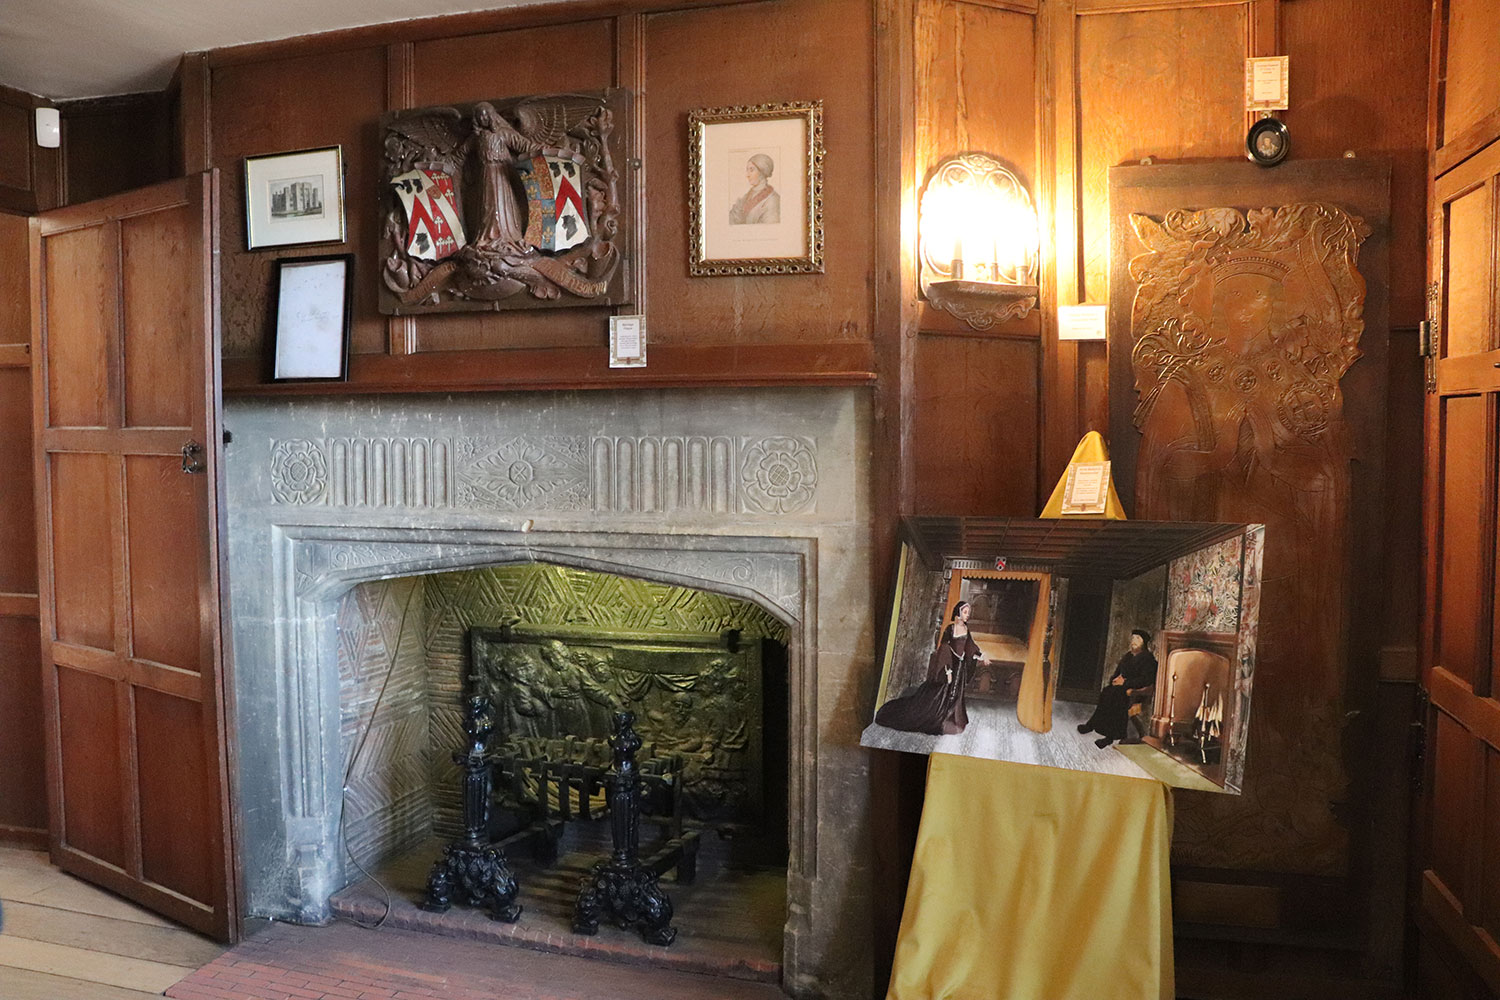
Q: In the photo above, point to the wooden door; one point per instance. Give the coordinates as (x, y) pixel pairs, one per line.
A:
(125, 406)
(1459, 861)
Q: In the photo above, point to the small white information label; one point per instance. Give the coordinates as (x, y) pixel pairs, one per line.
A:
(1083, 322)
(627, 341)
(1087, 489)
(1267, 83)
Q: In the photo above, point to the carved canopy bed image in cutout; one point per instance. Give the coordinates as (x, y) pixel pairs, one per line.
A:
(981, 604)
(1248, 383)
(505, 204)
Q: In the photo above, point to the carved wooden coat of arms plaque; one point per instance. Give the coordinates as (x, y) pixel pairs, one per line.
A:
(504, 204)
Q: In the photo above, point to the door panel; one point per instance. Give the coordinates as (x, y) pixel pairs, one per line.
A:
(1489, 874)
(1473, 86)
(159, 498)
(123, 322)
(92, 818)
(86, 263)
(1466, 421)
(1470, 273)
(159, 369)
(171, 769)
(82, 563)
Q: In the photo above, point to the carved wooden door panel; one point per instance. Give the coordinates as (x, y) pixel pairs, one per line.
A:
(126, 411)
(1458, 858)
(1248, 383)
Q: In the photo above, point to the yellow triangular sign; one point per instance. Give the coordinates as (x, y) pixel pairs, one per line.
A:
(1091, 451)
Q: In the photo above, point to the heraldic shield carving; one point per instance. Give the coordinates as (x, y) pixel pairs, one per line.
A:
(1243, 324)
(504, 204)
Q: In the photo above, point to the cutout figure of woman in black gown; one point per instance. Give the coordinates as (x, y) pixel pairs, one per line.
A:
(936, 706)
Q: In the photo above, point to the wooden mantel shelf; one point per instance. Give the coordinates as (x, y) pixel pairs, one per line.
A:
(827, 365)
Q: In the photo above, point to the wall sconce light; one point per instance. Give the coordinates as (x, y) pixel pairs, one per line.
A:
(48, 128)
(977, 241)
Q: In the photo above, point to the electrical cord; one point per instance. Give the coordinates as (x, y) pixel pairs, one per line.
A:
(365, 736)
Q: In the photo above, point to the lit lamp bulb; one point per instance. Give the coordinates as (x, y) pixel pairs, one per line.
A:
(977, 241)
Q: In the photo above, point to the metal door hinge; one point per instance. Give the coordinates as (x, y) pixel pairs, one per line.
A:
(1428, 335)
(1417, 731)
(192, 458)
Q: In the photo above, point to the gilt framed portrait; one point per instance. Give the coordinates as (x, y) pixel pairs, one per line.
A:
(294, 198)
(755, 189)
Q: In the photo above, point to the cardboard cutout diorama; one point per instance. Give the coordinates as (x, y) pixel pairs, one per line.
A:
(1120, 647)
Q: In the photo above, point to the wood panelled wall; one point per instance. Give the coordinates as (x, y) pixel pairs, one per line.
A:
(1063, 90)
(329, 89)
(23, 792)
(975, 394)
(30, 176)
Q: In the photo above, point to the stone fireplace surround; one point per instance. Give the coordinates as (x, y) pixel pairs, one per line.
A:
(760, 494)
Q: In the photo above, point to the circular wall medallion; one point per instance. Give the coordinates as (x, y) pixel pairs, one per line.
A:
(1268, 142)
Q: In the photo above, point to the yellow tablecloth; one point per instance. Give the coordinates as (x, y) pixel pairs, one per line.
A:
(1036, 883)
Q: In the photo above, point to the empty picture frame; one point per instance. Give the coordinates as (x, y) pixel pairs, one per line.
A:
(294, 198)
(313, 297)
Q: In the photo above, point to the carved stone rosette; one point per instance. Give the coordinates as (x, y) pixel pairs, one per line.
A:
(505, 204)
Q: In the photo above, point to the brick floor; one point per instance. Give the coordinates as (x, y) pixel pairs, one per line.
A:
(345, 962)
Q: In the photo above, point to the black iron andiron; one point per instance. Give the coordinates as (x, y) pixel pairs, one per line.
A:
(622, 889)
(472, 869)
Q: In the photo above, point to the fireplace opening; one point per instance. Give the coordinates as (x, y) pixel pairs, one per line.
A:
(558, 650)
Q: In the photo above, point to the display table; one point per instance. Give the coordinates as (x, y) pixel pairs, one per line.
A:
(1036, 883)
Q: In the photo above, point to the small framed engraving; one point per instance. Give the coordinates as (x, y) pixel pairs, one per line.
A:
(294, 198)
(627, 341)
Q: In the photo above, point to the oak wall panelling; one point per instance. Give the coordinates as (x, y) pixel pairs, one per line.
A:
(1120, 80)
(30, 176)
(23, 792)
(975, 394)
(747, 330)
(896, 780)
(114, 144)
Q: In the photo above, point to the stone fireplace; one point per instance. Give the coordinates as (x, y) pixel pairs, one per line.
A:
(760, 495)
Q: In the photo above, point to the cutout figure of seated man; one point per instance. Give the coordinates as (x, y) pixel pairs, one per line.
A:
(1136, 670)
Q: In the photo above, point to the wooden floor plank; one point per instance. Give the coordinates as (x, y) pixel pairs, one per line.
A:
(55, 888)
(77, 963)
(172, 945)
(20, 984)
(14, 858)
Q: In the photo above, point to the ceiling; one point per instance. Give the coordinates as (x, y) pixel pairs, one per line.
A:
(63, 49)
